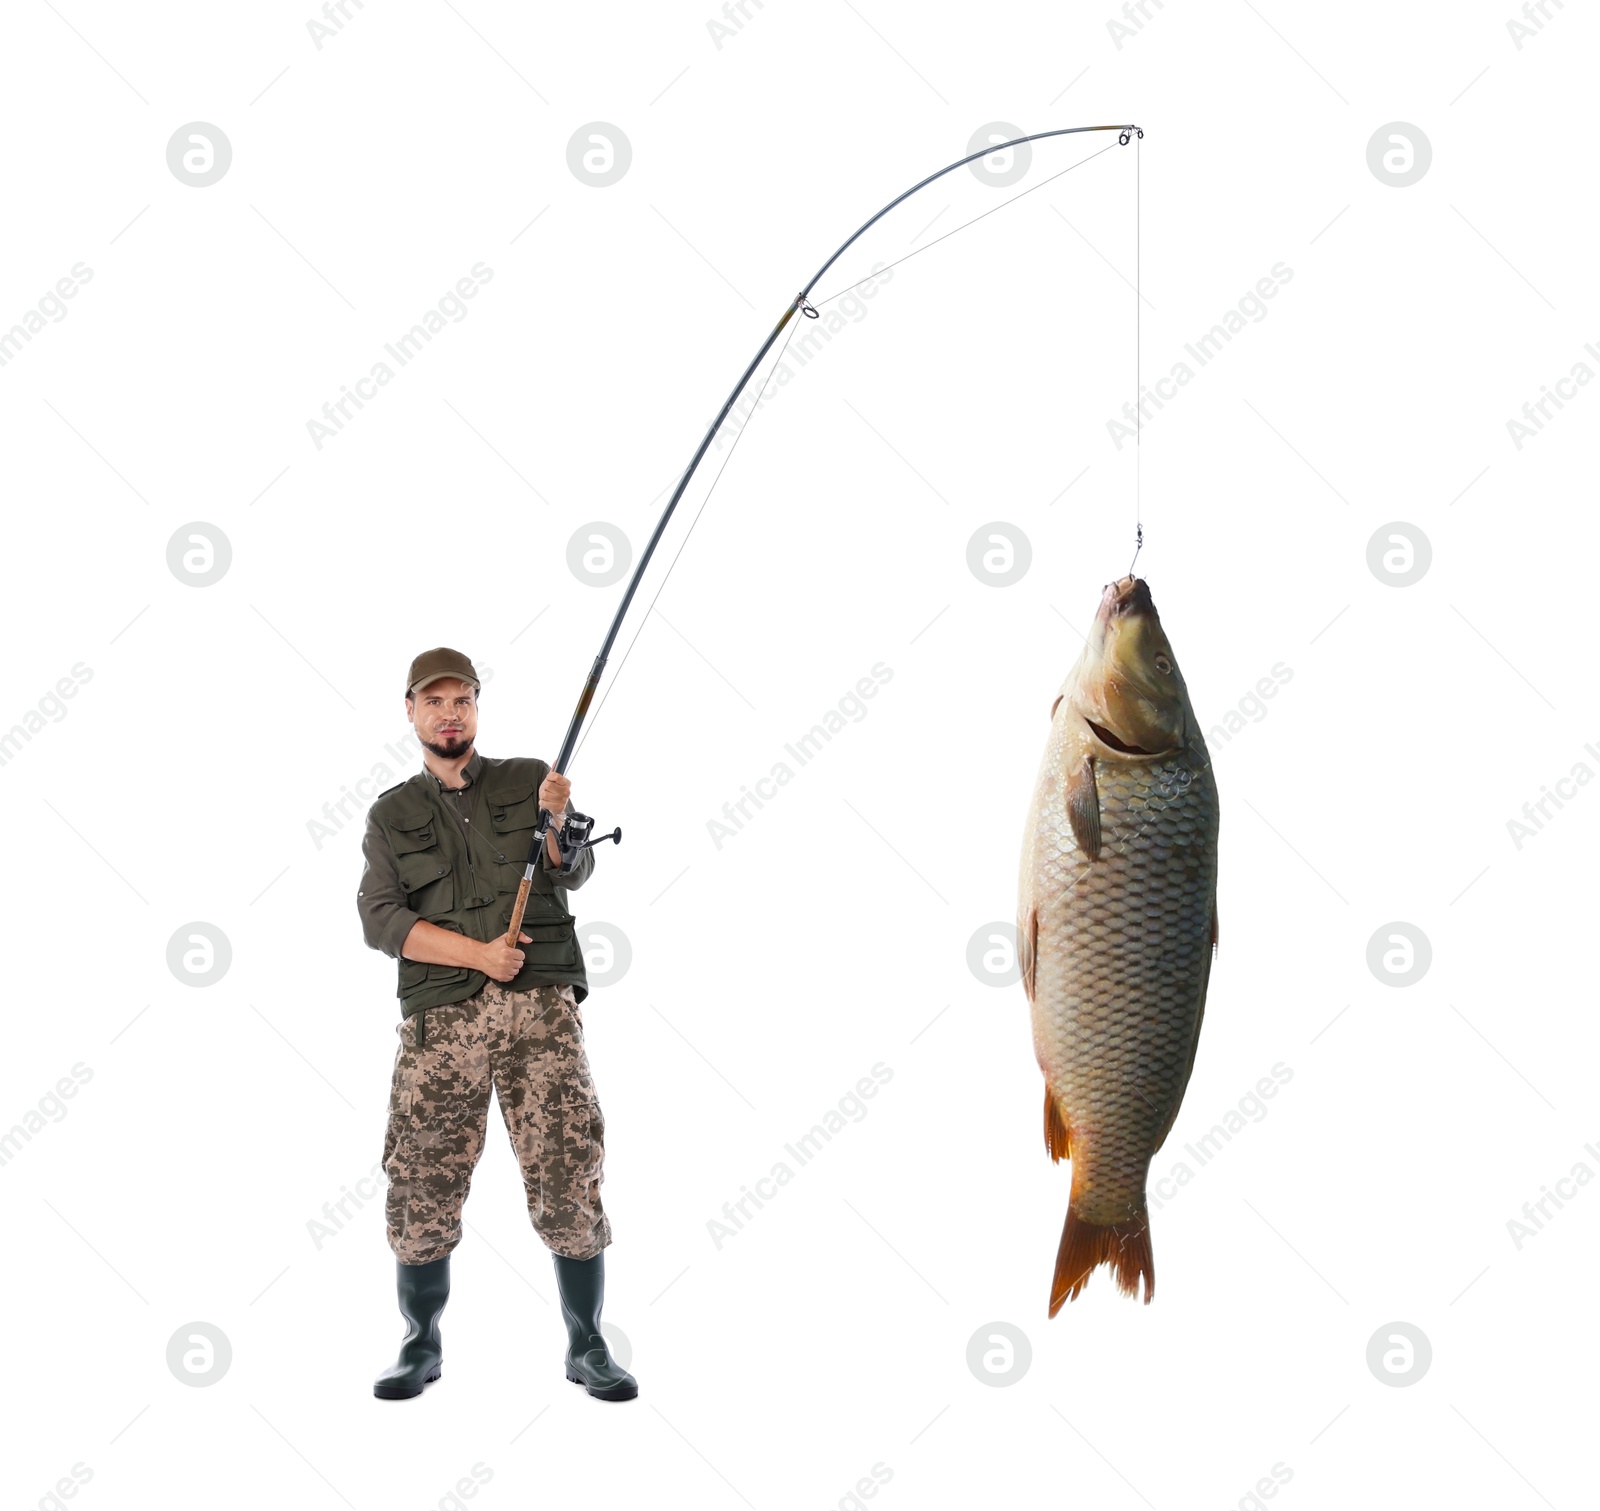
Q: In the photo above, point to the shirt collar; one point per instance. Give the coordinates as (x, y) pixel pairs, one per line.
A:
(469, 773)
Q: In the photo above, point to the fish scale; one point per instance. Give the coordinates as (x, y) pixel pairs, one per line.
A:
(1122, 962)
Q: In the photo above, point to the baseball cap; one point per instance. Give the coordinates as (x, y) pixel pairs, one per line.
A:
(440, 662)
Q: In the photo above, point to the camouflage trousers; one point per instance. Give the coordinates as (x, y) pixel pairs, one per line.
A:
(529, 1047)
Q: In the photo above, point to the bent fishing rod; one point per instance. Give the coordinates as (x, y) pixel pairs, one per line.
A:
(574, 837)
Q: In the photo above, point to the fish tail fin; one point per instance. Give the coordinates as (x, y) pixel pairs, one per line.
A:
(1125, 1246)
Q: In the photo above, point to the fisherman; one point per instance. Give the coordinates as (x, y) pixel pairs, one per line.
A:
(446, 852)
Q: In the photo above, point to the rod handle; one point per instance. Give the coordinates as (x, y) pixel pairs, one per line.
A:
(517, 909)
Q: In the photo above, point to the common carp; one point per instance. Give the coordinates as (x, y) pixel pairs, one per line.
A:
(1116, 927)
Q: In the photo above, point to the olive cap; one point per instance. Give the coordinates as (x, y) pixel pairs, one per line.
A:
(440, 662)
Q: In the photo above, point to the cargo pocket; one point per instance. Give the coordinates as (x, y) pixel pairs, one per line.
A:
(429, 883)
(513, 817)
(553, 941)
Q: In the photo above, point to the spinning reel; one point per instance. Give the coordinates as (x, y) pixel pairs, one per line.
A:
(573, 838)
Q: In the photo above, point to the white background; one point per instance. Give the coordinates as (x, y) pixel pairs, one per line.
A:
(769, 974)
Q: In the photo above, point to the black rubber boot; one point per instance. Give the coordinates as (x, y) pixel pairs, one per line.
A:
(589, 1363)
(423, 1290)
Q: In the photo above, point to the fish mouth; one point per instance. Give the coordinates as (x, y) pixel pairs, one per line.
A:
(1105, 737)
(1126, 596)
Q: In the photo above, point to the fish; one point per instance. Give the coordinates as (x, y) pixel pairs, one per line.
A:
(1117, 928)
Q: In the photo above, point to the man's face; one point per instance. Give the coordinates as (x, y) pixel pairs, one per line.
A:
(445, 714)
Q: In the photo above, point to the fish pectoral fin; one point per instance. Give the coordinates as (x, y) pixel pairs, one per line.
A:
(1057, 1136)
(1083, 807)
(1028, 948)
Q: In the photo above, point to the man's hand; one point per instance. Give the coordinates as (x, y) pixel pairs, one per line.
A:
(554, 791)
(499, 960)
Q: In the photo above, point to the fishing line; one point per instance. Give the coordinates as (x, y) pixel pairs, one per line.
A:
(794, 325)
(962, 227)
(800, 307)
(1138, 385)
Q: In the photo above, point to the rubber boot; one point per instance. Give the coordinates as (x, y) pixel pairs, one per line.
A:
(423, 1291)
(582, 1283)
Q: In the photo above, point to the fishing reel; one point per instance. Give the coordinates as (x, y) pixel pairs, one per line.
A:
(573, 838)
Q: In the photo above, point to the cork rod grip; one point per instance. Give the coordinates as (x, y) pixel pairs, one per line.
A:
(517, 911)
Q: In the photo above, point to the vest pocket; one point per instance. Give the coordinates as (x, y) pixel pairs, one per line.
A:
(428, 881)
(513, 816)
(415, 973)
(553, 941)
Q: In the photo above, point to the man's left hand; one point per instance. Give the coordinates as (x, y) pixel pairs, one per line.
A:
(554, 791)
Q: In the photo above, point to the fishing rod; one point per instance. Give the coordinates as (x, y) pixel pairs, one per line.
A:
(575, 836)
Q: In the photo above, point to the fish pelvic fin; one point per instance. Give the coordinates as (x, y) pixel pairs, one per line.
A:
(1083, 807)
(1057, 1138)
(1125, 1246)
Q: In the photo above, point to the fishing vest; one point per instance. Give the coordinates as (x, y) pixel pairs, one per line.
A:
(471, 889)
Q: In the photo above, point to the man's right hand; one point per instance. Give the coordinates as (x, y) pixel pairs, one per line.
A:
(501, 961)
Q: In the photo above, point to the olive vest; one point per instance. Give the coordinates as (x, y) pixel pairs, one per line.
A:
(470, 888)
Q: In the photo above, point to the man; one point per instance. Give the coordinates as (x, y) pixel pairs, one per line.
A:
(446, 851)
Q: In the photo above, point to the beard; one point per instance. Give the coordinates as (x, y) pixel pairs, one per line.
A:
(450, 748)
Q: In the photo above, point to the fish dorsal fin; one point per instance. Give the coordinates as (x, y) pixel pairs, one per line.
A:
(1083, 807)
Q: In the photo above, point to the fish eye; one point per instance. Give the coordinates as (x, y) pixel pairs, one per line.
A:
(1163, 664)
